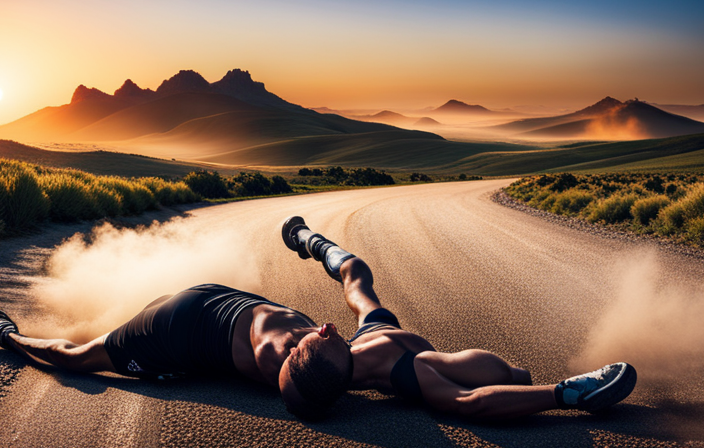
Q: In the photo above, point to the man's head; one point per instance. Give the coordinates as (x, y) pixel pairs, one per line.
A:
(318, 372)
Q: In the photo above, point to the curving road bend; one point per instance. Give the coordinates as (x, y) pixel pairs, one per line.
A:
(454, 266)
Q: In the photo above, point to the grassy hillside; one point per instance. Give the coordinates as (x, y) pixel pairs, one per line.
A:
(394, 151)
(389, 150)
(640, 154)
(96, 162)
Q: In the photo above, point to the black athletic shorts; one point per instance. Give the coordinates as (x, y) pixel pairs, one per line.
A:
(189, 333)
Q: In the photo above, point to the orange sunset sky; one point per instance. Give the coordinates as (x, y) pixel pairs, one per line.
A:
(360, 54)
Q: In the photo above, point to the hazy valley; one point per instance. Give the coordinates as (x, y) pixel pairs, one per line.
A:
(237, 122)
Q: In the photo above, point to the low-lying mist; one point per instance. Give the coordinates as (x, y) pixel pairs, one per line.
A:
(654, 323)
(97, 282)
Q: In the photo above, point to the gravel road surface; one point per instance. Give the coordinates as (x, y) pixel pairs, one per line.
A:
(456, 267)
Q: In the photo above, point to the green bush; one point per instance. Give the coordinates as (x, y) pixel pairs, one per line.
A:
(309, 172)
(670, 219)
(564, 181)
(107, 202)
(655, 184)
(368, 176)
(169, 193)
(420, 177)
(136, 198)
(571, 202)
(71, 198)
(279, 185)
(646, 209)
(612, 210)
(546, 200)
(207, 184)
(252, 184)
(695, 230)
(693, 202)
(22, 201)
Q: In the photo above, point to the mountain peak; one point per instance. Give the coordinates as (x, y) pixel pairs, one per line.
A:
(237, 74)
(238, 83)
(456, 106)
(387, 113)
(184, 81)
(83, 93)
(131, 90)
(600, 107)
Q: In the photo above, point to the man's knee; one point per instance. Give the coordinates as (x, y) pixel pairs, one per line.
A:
(474, 405)
(355, 269)
(521, 376)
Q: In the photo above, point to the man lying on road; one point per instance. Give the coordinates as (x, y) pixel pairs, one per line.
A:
(207, 330)
(473, 383)
(216, 330)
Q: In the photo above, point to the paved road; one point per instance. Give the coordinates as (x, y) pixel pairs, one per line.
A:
(455, 267)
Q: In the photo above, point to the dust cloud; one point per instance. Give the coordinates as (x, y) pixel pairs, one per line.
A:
(99, 281)
(654, 323)
(614, 126)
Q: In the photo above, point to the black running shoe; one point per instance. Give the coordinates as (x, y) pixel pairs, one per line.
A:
(299, 238)
(293, 240)
(7, 326)
(597, 390)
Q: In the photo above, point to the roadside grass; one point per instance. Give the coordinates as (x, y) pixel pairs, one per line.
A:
(30, 194)
(669, 205)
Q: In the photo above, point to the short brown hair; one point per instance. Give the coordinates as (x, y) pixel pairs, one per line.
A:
(318, 381)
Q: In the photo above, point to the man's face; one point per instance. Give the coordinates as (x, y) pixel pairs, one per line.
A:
(327, 341)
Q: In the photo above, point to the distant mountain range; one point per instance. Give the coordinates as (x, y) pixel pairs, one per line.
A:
(452, 111)
(396, 119)
(236, 121)
(609, 119)
(188, 117)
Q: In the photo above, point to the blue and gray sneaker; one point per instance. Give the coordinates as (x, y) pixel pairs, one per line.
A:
(597, 390)
(7, 326)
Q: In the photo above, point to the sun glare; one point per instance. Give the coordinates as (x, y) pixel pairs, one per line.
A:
(0, 94)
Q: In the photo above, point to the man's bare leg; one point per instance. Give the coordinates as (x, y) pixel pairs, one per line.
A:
(506, 401)
(357, 281)
(593, 392)
(475, 368)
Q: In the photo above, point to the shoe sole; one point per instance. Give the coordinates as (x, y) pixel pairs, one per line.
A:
(287, 231)
(613, 392)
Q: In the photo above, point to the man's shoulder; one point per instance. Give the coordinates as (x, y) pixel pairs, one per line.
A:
(282, 314)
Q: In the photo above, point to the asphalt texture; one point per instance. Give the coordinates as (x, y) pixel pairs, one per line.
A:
(457, 268)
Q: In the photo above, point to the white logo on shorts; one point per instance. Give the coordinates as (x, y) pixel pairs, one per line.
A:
(134, 367)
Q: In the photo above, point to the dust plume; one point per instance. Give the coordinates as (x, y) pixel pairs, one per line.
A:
(615, 125)
(653, 323)
(97, 282)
